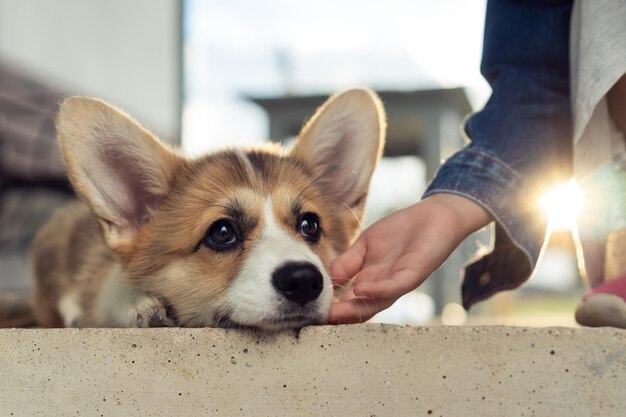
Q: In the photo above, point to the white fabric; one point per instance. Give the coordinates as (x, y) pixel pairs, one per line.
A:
(598, 60)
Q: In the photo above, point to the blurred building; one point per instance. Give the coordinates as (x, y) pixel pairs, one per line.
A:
(126, 52)
(424, 123)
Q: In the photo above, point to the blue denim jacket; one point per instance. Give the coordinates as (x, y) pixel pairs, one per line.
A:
(520, 142)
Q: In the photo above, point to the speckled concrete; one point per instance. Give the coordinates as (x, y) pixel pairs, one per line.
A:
(359, 370)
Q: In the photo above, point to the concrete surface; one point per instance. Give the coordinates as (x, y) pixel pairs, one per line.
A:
(359, 370)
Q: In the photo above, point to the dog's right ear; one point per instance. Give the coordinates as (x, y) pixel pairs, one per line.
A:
(342, 144)
(120, 169)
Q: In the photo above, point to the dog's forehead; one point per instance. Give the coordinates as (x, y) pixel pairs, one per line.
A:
(262, 169)
(235, 184)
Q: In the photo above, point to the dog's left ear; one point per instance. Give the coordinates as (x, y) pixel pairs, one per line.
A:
(342, 143)
(120, 169)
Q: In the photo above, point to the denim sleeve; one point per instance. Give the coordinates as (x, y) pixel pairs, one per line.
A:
(519, 143)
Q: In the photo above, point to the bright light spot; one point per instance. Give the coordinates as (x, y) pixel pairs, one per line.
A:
(557, 271)
(414, 308)
(453, 314)
(563, 205)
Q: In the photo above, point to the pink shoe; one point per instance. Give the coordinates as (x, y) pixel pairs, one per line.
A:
(604, 305)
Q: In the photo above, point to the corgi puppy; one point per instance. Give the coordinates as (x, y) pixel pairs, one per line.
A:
(240, 237)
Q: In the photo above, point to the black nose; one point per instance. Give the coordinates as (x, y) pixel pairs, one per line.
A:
(298, 282)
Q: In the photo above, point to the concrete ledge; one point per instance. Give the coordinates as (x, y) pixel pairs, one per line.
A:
(360, 370)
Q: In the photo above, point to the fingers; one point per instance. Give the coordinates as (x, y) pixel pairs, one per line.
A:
(348, 264)
(367, 298)
(356, 310)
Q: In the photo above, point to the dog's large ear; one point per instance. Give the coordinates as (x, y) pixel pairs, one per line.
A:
(119, 168)
(342, 143)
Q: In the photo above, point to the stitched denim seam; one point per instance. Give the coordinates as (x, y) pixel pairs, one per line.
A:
(505, 181)
(491, 158)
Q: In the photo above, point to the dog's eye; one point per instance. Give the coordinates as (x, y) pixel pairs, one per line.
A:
(309, 227)
(221, 235)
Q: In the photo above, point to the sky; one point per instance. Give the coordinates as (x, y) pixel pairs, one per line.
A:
(240, 48)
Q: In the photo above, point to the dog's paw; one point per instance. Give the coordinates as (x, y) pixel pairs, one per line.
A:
(152, 312)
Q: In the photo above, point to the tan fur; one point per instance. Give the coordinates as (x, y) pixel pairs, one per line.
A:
(149, 208)
(16, 311)
(68, 254)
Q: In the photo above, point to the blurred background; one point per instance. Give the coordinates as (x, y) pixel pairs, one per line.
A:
(205, 74)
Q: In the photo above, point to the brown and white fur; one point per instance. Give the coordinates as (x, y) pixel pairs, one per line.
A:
(135, 253)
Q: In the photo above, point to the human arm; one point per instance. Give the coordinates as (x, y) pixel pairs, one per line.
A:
(520, 143)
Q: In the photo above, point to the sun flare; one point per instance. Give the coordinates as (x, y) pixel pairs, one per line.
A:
(563, 204)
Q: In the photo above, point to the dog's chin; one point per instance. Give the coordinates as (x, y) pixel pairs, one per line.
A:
(272, 324)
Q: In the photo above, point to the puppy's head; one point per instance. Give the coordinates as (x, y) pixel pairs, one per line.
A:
(238, 237)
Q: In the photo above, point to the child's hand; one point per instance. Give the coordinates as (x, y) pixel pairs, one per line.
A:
(397, 253)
